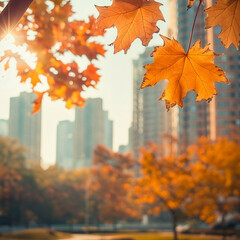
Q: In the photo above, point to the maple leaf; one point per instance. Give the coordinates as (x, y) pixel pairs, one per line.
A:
(225, 13)
(133, 19)
(193, 70)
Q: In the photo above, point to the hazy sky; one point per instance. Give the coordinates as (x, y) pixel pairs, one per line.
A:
(115, 88)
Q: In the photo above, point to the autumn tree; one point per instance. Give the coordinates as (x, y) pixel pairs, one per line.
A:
(10, 191)
(21, 197)
(110, 179)
(70, 205)
(11, 153)
(64, 192)
(216, 174)
(165, 183)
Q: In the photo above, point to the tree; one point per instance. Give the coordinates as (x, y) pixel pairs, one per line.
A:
(165, 183)
(133, 19)
(216, 174)
(10, 191)
(65, 193)
(21, 198)
(11, 153)
(110, 179)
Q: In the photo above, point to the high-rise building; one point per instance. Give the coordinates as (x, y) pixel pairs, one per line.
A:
(3, 127)
(151, 121)
(222, 115)
(227, 113)
(64, 153)
(26, 126)
(90, 131)
(108, 131)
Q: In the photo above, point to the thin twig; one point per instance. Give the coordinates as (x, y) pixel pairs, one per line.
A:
(194, 23)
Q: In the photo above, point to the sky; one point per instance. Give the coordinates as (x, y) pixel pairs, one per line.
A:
(115, 87)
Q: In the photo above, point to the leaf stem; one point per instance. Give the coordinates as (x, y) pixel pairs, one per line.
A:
(194, 23)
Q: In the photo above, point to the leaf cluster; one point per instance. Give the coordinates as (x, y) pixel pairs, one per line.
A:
(51, 33)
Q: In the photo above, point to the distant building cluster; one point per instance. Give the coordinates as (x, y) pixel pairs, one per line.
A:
(76, 140)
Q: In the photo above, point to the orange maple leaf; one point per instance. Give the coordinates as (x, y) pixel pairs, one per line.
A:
(226, 13)
(193, 70)
(132, 18)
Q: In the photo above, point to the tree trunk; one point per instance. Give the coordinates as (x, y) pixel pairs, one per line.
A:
(174, 226)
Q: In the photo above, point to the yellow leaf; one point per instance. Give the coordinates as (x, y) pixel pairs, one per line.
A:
(133, 19)
(226, 13)
(193, 70)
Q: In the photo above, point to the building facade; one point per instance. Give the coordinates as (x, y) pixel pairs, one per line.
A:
(26, 126)
(64, 154)
(227, 113)
(3, 127)
(91, 128)
(108, 131)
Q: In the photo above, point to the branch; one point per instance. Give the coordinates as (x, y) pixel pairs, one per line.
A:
(11, 15)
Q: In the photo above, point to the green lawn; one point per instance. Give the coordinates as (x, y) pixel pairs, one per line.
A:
(36, 234)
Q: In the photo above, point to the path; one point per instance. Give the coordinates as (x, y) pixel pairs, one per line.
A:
(88, 237)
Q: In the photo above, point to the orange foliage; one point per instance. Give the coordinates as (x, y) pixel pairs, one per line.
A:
(133, 19)
(165, 182)
(194, 70)
(9, 184)
(216, 174)
(51, 35)
(226, 13)
(109, 186)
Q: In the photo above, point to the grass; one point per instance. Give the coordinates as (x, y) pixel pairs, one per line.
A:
(159, 236)
(47, 234)
(36, 234)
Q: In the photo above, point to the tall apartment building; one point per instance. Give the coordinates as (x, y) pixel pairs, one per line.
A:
(108, 131)
(3, 127)
(151, 121)
(64, 154)
(227, 113)
(26, 126)
(198, 119)
(91, 127)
